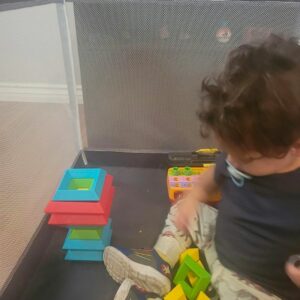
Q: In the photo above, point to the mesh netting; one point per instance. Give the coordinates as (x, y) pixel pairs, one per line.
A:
(142, 64)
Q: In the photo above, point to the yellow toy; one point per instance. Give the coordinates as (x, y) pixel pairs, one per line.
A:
(208, 150)
(181, 179)
(192, 252)
(176, 294)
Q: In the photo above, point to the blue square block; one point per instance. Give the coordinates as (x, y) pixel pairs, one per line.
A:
(84, 255)
(90, 244)
(92, 181)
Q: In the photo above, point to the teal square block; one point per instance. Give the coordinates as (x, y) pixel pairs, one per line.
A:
(84, 255)
(94, 245)
(80, 185)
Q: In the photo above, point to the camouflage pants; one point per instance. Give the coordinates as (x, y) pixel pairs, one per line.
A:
(172, 242)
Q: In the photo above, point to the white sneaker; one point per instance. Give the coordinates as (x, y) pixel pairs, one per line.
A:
(143, 268)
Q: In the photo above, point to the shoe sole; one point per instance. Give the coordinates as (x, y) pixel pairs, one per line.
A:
(120, 267)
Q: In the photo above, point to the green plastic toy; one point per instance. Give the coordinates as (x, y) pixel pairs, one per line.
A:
(187, 171)
(203, 278)
(86, 233)
(81, 184)
(175, 171)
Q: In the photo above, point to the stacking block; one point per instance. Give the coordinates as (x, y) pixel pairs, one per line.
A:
(86, 245)
(85, 219)
(80, 185)
(192, 278)
(78, 220)
(176, 294)
(88, 250)
(81, 255)
(203, 278)
(99, 244)
(60, 207)
(202, 296)
(194, 254)
(85, 233)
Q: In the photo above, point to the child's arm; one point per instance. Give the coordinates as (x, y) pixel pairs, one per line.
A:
(203, 190)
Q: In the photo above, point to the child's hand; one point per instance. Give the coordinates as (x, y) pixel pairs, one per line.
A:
(201, 192)
(292, 268)
(187, 207)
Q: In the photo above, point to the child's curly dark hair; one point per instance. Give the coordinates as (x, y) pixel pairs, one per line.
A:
(254, 103)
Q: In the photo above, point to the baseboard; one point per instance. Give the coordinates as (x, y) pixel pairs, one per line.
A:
(36, 92)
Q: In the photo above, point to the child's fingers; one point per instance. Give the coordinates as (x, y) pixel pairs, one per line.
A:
(293, 270)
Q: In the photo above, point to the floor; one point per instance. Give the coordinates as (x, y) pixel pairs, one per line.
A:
(138, 212)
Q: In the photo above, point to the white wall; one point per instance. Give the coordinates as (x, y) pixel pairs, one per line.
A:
(31, 54)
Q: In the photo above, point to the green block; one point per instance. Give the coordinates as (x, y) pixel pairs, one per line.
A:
(175, 171)
(81, 184)
(189, 265)
(86, 233)
(187, 171)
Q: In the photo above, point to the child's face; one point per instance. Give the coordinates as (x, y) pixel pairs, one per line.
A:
(253, 163)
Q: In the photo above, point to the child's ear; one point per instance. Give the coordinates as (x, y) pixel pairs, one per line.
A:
(295, 150)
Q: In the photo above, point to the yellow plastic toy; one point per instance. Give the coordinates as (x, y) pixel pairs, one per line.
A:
(208, 150)
(182, 179)
(176, 294)
(202, 296)
(192, 252)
